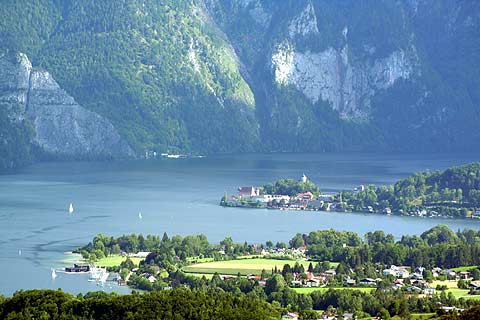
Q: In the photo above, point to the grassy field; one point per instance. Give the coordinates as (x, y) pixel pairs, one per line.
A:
(451, 284)
(466, 268)
(423, 316)
(199, 275)
(244, 266)
(323, 289)
(115, 260)
(462, 293)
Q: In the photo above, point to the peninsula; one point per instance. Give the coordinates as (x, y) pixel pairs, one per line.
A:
(453, 193)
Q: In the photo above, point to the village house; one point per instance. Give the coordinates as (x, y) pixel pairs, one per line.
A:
(330, 273)
(290, 315)
(149, 277)
(264, 198)
(305, 196)
(414, 289)
(141, 254)
(296, 283)
(326, 197)
(436, 272)
(420, 283)
(368, 282)
(429, 291)
(280, 198)
(450, 273)
(398, 272)
(312, 283)
(474, 286)
(254, 277)
(350, 282)
(396, 286)
(248, 191)
(464, 275)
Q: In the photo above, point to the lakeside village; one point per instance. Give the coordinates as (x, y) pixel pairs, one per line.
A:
(289, 194)
(308, 275)
(305, 274)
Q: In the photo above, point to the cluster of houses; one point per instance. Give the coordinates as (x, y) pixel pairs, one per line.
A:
(251, 197)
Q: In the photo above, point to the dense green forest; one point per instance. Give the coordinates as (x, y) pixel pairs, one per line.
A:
(454, 192)
(16, 149)
(174, 304)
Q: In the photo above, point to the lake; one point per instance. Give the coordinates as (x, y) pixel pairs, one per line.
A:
(181, 196)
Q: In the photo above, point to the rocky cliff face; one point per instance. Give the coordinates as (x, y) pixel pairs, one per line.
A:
(374, 65)
(61, 127)
(212, 76)
(330, 76)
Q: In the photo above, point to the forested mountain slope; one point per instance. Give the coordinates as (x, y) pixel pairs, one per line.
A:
(210, 76)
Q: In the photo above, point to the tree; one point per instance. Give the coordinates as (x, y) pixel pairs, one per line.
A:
(475, 274)
(310, 267)
(383, 314)
(297, 241)
(165, 237)
(275, 284)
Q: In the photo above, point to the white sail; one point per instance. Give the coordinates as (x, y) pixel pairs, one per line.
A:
(54, 274)
(70, 209)
(140, 216)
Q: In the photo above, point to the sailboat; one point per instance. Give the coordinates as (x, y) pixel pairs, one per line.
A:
(54, 274)
(70, 209)
(140, 216)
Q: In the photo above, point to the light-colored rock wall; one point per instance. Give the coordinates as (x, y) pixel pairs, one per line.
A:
(330, 76)
(62, 127)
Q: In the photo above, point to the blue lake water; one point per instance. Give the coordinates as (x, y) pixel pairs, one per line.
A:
(180, 196)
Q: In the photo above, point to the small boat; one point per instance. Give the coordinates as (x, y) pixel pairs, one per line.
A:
(70, 209)
(19, 252)
(140, 216)
(98, 274)
(54, 274)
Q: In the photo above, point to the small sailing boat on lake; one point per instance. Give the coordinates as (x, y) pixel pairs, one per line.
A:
(140, 216)
(70, 209)
(54, 274)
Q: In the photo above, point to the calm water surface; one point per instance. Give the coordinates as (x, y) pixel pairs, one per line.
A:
(180, 196)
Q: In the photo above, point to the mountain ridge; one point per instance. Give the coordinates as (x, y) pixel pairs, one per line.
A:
(210, 76)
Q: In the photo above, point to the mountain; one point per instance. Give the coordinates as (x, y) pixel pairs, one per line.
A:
(213, 76)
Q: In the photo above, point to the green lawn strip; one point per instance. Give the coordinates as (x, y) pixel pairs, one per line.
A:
(462, 293)
(222, 271)
(423, 316)
(451, 284)
(206, 275)
(199, 260)
(323, 289)
(115, 260)
(465, 268)
(244, 266)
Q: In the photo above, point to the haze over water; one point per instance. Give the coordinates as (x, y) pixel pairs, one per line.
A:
(181, 196)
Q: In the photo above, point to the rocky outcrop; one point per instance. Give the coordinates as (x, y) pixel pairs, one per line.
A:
(329, 76)
(15, 73)
(62, 128)
(336, 76)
